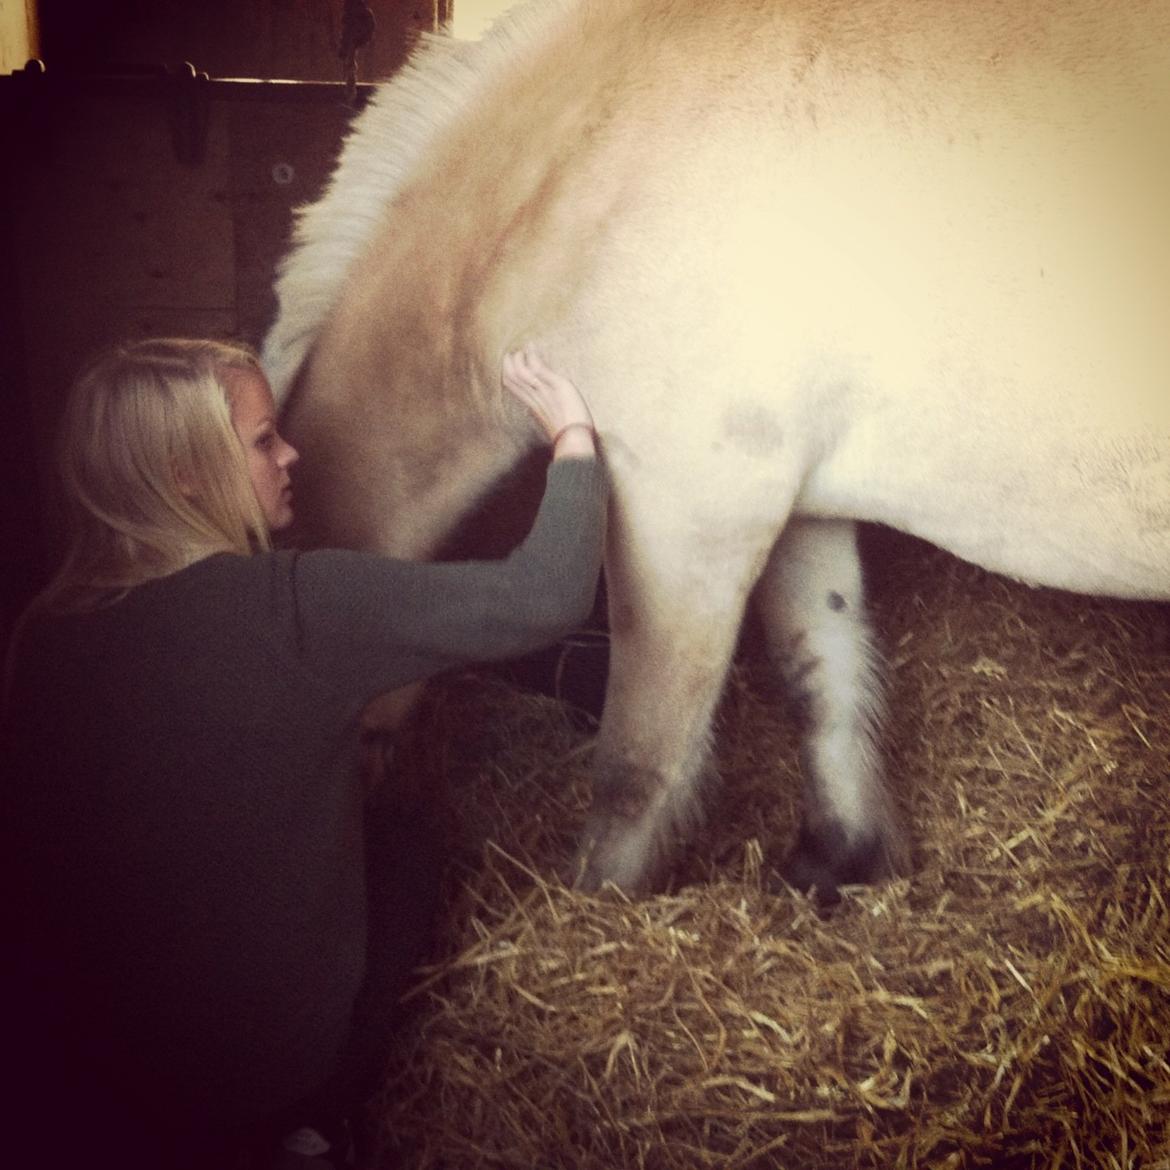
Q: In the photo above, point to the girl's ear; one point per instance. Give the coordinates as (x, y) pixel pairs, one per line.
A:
(184, 480)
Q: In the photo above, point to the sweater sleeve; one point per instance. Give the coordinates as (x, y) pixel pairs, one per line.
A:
(369, 623)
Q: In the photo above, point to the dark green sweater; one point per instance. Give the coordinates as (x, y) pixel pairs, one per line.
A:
(183, 795)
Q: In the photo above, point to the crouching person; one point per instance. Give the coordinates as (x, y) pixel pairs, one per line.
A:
(208, 923)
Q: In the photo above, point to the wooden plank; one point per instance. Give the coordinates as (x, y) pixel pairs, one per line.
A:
(112, 235)
(108, 211)
(295, 39)
(281, 156)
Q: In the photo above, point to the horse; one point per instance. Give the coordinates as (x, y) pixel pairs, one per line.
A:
(814, 263)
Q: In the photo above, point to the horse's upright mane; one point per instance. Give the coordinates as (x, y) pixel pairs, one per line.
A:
(386, 143)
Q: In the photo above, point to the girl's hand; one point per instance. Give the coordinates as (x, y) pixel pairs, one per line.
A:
(553, 400)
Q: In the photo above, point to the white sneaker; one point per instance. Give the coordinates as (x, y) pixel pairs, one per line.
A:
(307, 1149)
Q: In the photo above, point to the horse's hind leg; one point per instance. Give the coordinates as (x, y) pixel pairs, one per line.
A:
(675, 607)
(811, 600)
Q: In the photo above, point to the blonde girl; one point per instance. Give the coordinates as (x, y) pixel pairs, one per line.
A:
(209, 922)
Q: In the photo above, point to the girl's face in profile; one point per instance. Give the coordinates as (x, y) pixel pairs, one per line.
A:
(269, 456)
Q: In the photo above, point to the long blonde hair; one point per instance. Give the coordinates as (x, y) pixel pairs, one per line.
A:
(152, 472)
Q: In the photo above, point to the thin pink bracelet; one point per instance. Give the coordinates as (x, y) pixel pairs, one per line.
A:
(568, 427)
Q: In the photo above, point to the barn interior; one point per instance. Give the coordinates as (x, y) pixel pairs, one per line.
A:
(1006, 1004)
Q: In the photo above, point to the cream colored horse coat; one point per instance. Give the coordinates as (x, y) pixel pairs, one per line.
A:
(812, 262)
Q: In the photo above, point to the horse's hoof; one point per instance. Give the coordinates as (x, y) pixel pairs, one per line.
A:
(620, 852)
(824, 859)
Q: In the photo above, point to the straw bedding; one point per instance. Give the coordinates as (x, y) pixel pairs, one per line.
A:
(1007, 1005)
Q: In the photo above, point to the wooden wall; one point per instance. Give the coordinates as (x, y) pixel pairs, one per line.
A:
(294, 39)
(142, 203)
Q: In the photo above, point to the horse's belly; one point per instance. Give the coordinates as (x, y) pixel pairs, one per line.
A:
(1058, 502)
(1009, 399)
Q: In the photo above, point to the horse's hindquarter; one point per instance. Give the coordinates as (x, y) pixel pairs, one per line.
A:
(940, 298)
(1013, 400)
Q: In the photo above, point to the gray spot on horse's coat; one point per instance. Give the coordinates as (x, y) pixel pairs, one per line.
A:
(754, 430)
(625, 791)
(1155, 519)
(801, 703)
(836, 601)
(801, 672)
